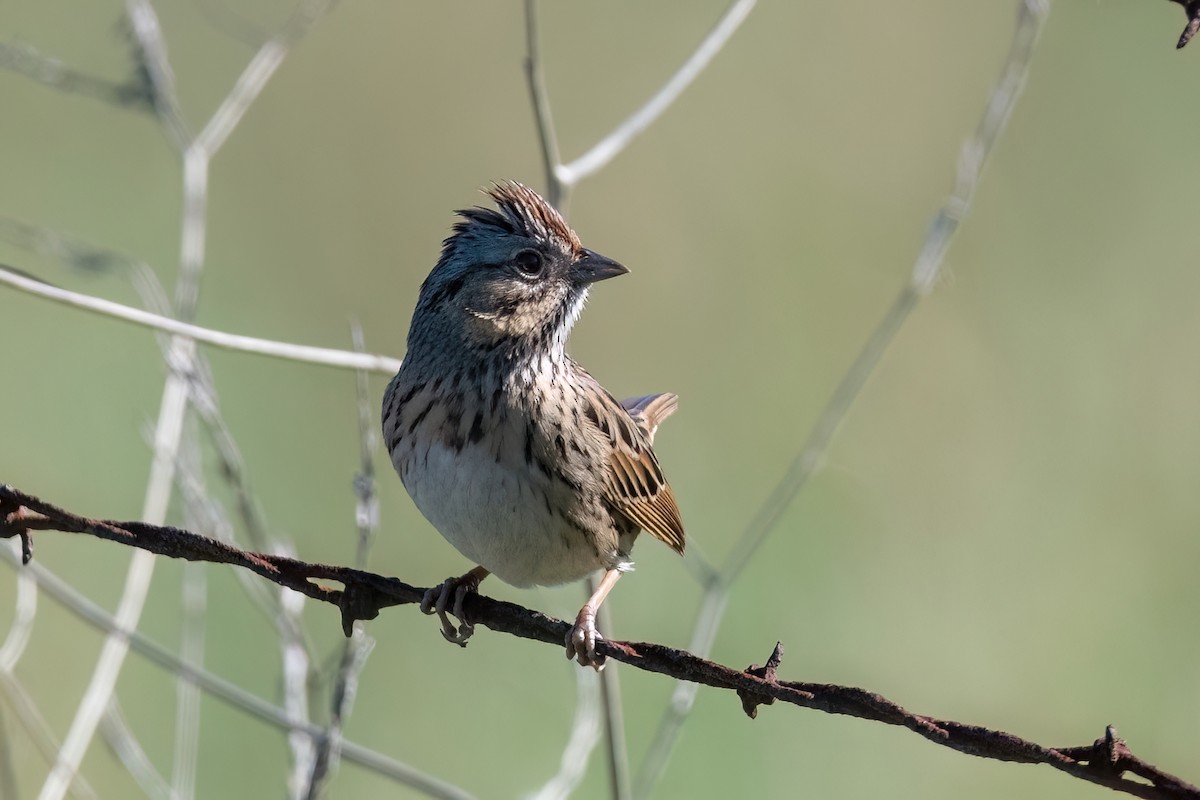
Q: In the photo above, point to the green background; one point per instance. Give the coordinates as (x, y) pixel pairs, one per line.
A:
(1004, 531)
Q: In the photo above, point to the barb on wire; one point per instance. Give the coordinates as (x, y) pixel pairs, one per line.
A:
(1192, 9)
(1105, 762)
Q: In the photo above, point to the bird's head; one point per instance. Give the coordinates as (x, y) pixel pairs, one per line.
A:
(518, 274)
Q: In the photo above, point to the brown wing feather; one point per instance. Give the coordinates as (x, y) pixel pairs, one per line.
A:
(634, 483)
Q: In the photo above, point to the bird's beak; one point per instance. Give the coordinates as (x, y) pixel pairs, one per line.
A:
(592, 267)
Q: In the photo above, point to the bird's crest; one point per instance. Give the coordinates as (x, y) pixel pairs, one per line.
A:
(522, 212)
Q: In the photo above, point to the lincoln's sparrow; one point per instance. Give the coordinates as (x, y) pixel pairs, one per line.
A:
(515, 453)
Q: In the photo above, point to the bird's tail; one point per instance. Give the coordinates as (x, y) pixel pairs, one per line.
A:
(650, 410)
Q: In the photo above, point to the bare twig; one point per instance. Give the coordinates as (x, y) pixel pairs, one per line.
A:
(122, 741)
(614, 716)
(28, 61)
(24, 613)
(61, 592)
(33, 725)
(173, 409)
(152, 55)
(70, 250)
(297, 669)
(364, 594)
(263, 598)
(560, 177)
(8, 771)
(580, 743)
(366, 506)
(257, 73)
(228, 341)
(925, 272)
(584, 736)
(358, 645)
(345, 689)
(194, 604)
(547, 137)
(607, 148)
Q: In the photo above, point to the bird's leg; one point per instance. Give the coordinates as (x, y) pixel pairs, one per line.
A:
(581, 639)
(437, 598)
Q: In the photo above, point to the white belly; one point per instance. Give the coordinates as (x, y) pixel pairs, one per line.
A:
(493, 517)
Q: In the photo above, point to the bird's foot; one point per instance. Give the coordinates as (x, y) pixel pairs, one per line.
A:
(582, 638)
(439, 597)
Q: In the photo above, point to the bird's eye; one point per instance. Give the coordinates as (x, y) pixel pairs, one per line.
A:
(529, 262)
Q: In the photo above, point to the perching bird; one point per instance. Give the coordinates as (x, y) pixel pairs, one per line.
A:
(519, 457)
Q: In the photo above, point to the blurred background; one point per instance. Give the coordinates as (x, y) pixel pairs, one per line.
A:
(1003, 533)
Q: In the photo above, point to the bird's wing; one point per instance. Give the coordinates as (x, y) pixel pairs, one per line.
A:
(634, 483)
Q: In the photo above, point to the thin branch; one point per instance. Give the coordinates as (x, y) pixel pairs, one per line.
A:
(129, 751)
(614, 717)
(229, 341)
(173, 408)
(21, 629)
(257, 73)
(547, 137)
(364, 594)
(366, 506)
(34, 726)
(925, 272)
(8, 770)
(584, 736)
(330, 748)
(358, 645)
(48, 71)
(580, 744)
(264, 600)
(70, 250)
(607, 148)
(152, 55)
(79, 605)
(136, 586)
(194, 605)
(297, 669)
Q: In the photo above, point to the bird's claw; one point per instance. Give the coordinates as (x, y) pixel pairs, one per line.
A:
(581, 641)
(436, 600)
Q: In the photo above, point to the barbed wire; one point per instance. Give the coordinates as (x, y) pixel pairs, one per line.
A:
(364, 594)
